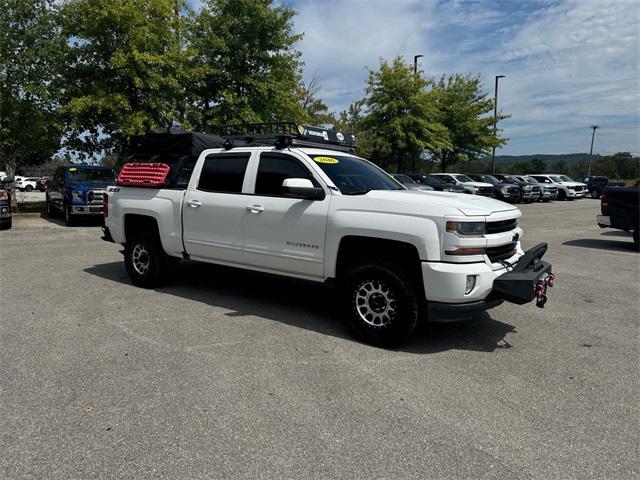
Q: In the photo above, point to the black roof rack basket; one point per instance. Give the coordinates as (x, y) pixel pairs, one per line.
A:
(285, 134)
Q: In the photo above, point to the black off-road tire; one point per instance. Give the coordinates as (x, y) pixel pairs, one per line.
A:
(393, 302)
(6, 225)
(595, 194)
(69, 218)
(562, 195)
(146, 262)
(49, 211)
(636, 239)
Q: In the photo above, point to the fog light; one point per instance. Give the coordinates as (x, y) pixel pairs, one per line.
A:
(471, 284)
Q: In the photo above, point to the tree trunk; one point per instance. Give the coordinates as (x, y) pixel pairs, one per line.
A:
(11, 173)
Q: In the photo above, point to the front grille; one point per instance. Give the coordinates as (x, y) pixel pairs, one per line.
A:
(551, 189)
(502, 252)
(501, 226)
(578, 189)
(485, 191)
(535, 189)
(95, 197)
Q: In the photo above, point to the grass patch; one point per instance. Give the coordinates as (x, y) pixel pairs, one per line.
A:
(30, 207)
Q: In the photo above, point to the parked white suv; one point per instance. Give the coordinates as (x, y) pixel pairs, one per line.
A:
(26, 184)
(321, 213)
(470, 185)
(568, 189)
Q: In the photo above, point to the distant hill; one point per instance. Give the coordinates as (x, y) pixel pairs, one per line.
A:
(550, 160)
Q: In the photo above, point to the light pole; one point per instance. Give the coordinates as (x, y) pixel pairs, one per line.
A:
(593, 136)
(415, 63)
(495, 122)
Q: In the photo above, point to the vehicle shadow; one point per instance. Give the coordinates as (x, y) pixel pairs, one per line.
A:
(305, 305)
(88, 221)
(602, 244)
(616, 233)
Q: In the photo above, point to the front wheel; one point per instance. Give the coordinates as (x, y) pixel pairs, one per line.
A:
(384, 303)
(562, 195)
(146, 262)
(28, 188)
(69, 218)
(595, 194)
(636, 239)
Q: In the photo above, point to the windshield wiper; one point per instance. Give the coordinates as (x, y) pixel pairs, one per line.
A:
(358, 192)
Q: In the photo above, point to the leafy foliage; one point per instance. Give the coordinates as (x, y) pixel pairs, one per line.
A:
(250, 71)
(467, 114)
(30, 47)
(125, 70)
(401, 116)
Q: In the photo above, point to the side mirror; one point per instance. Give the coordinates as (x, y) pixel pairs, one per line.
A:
(302, 188)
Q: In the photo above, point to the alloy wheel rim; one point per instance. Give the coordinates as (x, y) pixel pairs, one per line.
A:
(140, 258)
(375, 303)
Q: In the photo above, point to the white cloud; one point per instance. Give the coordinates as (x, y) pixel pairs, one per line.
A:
(568, 64)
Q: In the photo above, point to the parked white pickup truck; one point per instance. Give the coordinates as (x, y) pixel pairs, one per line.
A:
(324, 214)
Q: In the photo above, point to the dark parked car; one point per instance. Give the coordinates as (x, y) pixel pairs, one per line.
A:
(596, 184)
(507, 192)
(529, 191)
(619, 208)
(440, 185)
(77, 190)
(5, 205)
(410, 183)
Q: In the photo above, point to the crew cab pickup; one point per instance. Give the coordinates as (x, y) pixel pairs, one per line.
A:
(77, 190)
(318, 212)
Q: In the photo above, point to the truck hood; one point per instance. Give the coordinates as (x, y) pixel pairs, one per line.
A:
(470, 205)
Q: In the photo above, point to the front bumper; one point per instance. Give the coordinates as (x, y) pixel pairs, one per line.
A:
(5, 211)
(445, 284)
(86, 209)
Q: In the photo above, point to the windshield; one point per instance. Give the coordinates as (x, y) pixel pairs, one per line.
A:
(489, 179)
(462, 178)
(531, 180)
(566, 179)
(90, 175)
(433, 180)
(403, 178)
(353, 175)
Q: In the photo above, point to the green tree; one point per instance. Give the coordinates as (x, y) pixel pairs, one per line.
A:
(621, 165)
(401, 117)
(561, 167)
(467, 114)
(30, 46)
(125, 70)
(315, 111)
(538, 165)
(250, 68)
(523, 167)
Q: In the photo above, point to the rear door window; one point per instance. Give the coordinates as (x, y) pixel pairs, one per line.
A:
(223, 173)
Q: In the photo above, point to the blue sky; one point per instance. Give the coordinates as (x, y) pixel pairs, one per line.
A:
(569, 64)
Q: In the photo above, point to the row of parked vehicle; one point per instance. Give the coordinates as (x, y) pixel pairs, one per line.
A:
(509, 188)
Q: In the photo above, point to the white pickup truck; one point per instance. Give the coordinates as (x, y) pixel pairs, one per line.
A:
(323, 214)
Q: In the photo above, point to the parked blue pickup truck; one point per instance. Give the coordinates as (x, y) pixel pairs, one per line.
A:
(77, 190)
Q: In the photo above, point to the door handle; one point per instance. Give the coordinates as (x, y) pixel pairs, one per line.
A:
(194, 203)
(255, 208)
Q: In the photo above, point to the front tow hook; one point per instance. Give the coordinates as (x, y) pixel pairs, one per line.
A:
(541, 289)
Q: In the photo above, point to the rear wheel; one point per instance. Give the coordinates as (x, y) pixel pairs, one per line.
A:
(147, 263)
(595, 194)
(28, 188)
(384, 304)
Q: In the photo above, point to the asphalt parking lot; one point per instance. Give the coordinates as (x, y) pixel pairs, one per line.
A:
(228, 374)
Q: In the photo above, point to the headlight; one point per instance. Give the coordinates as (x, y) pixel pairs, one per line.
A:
(76, 195)
(505, 189)
(466, 229)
